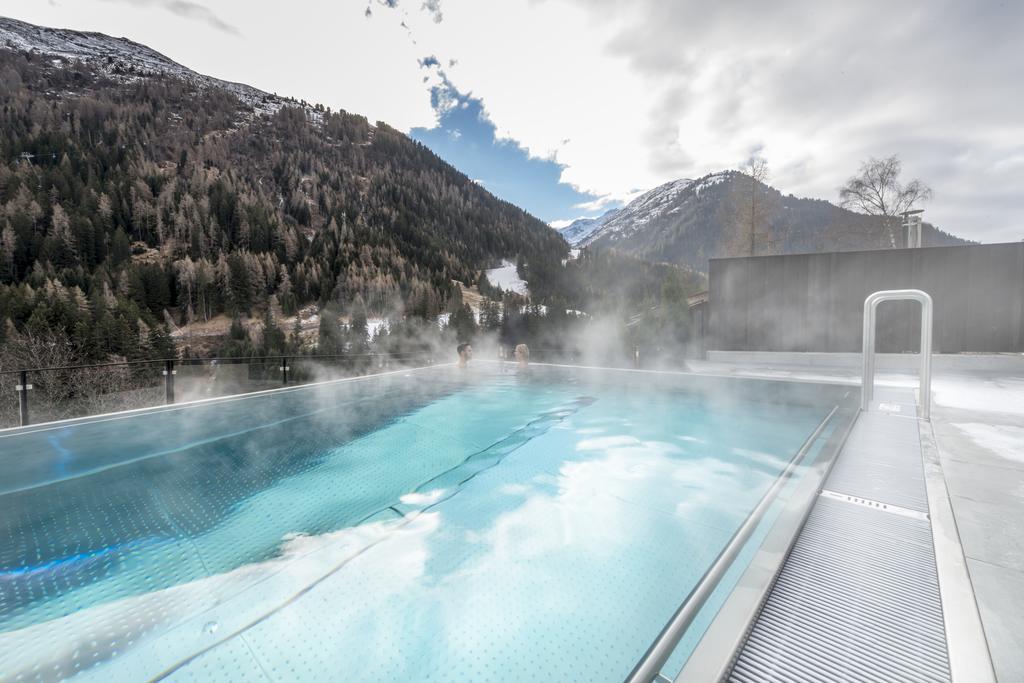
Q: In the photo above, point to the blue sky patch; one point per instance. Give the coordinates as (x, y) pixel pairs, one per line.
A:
(466, 138)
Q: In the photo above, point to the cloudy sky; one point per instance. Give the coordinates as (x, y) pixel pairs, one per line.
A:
(567, 107)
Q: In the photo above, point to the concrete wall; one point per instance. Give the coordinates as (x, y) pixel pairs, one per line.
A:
(815, 302)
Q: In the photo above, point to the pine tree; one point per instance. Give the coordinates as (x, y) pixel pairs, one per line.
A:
(161, 345)
(358, 331)
(274, 341)
(464, 324)
(329, 340)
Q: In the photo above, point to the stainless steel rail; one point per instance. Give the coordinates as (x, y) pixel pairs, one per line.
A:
(868, 348)
(649, 667)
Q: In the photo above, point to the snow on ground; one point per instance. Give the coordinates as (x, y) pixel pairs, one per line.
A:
(506, 277)
(1003, 440)
(445, 318)
(996, 394)
(375, 325)
(582, 228)
(709, 181)
(543, 310)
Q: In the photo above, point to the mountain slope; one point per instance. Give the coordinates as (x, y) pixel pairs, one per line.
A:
(121, 59)
(688, 222)
(581, 228)
(133, 189)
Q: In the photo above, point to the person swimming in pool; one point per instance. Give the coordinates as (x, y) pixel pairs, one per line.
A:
(522, 355)
(465, 351)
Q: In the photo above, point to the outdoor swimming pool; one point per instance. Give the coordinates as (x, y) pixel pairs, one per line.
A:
(426, 525)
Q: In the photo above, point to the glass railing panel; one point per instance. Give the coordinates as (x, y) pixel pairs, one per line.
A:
(9, 410)
(78, 391)
(64, 393)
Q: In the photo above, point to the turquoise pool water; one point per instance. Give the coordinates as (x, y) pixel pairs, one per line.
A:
(436, 525)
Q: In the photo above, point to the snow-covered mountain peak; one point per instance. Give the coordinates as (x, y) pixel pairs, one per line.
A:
(658, 198)
(120, 58)
(581, 228)
(664, 200)
(22, 36)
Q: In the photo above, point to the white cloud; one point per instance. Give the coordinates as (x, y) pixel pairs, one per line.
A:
(629, 95)
(188, 10)
(605, 201)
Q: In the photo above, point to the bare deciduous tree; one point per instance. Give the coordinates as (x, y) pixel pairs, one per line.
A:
(757, 168)
(876, 190)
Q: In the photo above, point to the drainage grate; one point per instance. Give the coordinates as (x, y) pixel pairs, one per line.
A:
(857, 599)
(883, 507)
(881, 461)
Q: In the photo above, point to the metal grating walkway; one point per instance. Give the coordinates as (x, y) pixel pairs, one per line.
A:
(858, 597)
(882, 461)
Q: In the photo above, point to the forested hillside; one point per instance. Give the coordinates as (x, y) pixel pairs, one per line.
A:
(131, 200)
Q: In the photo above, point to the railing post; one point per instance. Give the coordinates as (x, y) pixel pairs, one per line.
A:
(867, 383)
(284, 370)
(925, 380)
(23, 389)
(169, 373)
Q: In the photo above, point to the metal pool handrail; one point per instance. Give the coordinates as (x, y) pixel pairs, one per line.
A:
(868, 349)
(649, 667)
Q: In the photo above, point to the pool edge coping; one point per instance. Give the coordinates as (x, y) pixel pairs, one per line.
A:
(838, 382)
(970, 659)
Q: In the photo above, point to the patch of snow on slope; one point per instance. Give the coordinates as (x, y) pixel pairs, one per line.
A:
(709, 181)
(662, 201)
(647, 205)
(375, 325)
(581, 228)
(506, 277)
(641, 210)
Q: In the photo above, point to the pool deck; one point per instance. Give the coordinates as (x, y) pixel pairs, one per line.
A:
(974, 449)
